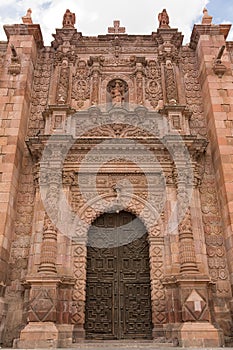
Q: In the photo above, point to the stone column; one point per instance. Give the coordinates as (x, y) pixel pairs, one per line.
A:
(187, 254)
(189, 293)
(48, 248)
(49, 312)
(49, 241)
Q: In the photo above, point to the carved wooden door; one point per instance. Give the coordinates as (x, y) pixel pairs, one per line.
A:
(118, 300)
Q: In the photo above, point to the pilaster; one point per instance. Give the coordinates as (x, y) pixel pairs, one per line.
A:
(216, 80)
(16, 83)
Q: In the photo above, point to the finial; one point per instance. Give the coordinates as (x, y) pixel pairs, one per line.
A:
(68, 19)
(206, 18)
(163, 19)
(27, 18)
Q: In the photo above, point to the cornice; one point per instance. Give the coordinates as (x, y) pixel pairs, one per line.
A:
(213, 30)
(25, 29)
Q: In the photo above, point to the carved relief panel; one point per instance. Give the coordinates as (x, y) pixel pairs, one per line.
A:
(80, 85)
(153, 83)
(63, 83)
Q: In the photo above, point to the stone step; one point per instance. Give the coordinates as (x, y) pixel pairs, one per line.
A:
(125, 346)
(121, 345)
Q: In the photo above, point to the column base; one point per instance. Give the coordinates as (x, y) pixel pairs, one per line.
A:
(78, 333)
(38, 335)
(199, 334)
(158, 332)
(65, 335)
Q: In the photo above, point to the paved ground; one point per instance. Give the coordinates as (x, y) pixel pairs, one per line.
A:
(138, 347)
(128, 347)
(134, 345)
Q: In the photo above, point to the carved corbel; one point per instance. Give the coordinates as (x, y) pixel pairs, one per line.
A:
(15, 66)
(218, 67)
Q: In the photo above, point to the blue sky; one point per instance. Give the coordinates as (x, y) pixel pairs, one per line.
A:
(94, 17)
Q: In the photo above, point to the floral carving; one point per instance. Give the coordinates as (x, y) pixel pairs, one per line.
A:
(157, 289)
(193, 91)
(213, 231)
(81, 84)
(40, 92)
(153, 83)
(78, 309)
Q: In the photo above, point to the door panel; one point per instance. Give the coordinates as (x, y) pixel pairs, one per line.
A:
(118, 300)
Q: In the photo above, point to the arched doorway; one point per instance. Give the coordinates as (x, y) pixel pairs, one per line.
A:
(118, 294)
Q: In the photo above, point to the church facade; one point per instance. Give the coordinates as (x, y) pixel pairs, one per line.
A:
(116, 185)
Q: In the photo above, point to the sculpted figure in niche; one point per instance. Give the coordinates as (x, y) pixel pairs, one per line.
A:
(68, 19)
(117, 89)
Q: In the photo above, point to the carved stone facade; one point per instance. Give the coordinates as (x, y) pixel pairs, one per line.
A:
(117, 123)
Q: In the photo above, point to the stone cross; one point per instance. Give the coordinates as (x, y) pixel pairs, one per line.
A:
(116, 29)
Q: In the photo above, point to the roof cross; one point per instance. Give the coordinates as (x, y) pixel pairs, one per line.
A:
(116, 29)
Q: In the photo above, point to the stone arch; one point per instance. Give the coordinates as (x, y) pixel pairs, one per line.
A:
(153, 223)
(126, 201)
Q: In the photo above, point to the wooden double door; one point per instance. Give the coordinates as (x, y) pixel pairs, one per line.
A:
(118, 297)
